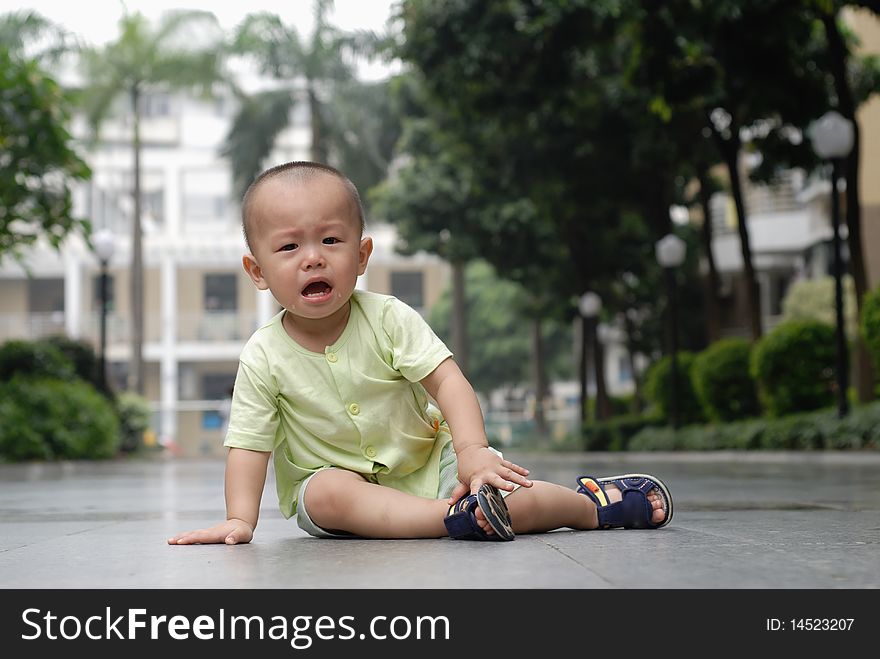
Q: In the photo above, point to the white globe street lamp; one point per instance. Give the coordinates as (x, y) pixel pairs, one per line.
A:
(832, 137)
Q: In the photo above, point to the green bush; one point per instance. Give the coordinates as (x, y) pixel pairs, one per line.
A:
(794, 367)
(870, 325)
(134, 419)
(54, 419)
(658, 389)
(805, 431)
(34, 359)
(81, 355)
(619, 406)
(722, 381)
(614, 435)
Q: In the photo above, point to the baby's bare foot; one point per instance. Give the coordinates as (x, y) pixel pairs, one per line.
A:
(654, 498)
(483, 522)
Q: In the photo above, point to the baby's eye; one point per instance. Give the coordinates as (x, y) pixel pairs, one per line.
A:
(331, 241)
(289, 247)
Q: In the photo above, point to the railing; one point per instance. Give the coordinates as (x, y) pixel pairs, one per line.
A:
(779, 197)
(214, 326)
(31, 325)
(210, 327)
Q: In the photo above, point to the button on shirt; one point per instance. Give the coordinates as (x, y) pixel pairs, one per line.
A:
(358, 406)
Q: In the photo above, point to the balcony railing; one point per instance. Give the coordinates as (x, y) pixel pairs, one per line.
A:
(215, 326)
(200, 327)
(31, 325)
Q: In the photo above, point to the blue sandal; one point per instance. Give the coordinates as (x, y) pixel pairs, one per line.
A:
(461, 523)
(633, 511)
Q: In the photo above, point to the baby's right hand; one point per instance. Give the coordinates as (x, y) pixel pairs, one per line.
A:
(231, 532)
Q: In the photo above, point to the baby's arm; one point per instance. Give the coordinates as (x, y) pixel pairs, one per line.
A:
(461, 409)
(245, 478)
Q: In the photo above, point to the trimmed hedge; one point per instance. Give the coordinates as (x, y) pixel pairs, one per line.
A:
(615, 434)
(794, 367)
(806, 431)
(34, 359)
(722, 381)
(658, 389)
(48, 419)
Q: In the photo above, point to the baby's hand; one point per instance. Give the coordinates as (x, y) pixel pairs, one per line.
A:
(231, 532)
(478, 465)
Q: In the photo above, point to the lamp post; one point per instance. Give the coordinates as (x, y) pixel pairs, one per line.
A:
(670, 251)
(589, 306)
(832, 139)
(104, 247)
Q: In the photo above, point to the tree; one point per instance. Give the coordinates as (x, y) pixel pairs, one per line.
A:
(730, 62)
(570, 178)
(855, 79)
(181, 52)
(497, 324)
(27, 33)
(352, 127)
(38, 159)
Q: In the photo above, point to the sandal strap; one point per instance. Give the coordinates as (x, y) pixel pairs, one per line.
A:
(461, 522)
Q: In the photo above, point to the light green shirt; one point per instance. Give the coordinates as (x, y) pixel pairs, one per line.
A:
(358, 405)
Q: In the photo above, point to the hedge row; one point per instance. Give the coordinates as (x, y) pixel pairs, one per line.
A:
(790, 370)
(811, 430)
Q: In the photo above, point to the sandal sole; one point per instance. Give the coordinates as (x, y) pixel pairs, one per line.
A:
(495, 509)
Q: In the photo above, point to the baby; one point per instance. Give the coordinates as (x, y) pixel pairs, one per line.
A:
(337, 387)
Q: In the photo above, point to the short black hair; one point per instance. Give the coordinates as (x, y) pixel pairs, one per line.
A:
(298, 171)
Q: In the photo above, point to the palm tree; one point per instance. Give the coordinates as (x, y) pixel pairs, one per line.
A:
(183, 51)
(27, 30)
(313, 71)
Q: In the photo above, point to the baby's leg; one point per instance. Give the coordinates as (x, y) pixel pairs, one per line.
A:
(340, 500)
(547, 506)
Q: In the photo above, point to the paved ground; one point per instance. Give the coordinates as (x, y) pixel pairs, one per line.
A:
(742, 520)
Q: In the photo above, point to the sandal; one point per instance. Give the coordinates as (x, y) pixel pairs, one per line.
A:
(461, 523)
(633, 511)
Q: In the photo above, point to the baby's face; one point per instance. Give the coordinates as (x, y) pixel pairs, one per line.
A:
(307, 244)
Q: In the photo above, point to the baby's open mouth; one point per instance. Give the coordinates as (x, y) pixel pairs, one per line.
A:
(317, 289)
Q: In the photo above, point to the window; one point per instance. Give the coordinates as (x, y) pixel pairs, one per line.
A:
(205, 207)
(217, 386)
(45, 295)
(221, 292)
(155, 104)
(206, 196)
(409, 287)
(112, 205)
(96, 290)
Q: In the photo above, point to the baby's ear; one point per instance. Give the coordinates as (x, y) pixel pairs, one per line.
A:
(366, 249)
(255, 272)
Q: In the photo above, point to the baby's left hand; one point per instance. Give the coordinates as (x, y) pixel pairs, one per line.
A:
(478, 465)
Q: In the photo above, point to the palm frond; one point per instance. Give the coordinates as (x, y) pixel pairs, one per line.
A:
(252, 135)
(29, 33)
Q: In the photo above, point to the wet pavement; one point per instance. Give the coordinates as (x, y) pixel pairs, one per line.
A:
(742, 520)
